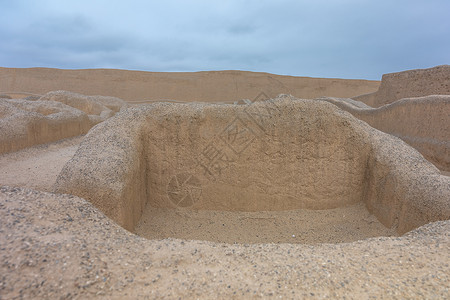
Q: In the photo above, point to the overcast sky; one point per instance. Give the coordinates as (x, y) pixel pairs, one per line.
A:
(337, 38)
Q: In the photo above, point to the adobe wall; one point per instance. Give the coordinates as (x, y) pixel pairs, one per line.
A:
(276, 155)
(422, 122)
(407, 84)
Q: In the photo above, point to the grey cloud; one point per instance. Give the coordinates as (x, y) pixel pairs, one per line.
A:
(241, 29)
(61, 25)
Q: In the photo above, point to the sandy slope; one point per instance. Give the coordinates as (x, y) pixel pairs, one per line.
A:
(211, 86)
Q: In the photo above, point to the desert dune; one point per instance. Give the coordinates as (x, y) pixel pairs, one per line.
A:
(141, 87)
(285, 197)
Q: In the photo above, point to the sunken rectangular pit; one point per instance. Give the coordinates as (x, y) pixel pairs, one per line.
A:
(284, 170)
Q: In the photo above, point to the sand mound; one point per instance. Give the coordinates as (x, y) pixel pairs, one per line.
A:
(407, 84)
(275, 155)
(422, 122)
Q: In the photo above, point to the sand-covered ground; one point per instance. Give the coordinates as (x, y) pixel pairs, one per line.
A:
(37, 167)
(339, 225)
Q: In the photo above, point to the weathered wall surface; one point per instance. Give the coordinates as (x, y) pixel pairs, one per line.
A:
(217, 86)
(273, 155)
(422, 122)
(54, 116)
(407, 84)
(103, 106)
(25, 123)
(265, 156)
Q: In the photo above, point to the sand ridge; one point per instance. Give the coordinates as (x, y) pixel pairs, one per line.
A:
(207, 86)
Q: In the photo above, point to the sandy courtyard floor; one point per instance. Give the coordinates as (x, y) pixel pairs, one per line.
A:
(345, 224)
(37, 167)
